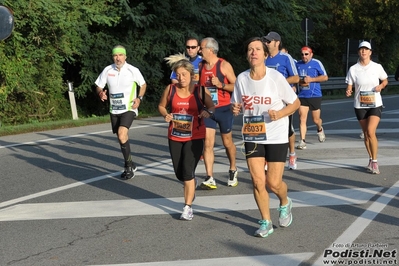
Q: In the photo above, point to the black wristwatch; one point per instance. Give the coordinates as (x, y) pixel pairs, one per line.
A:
(141, 98)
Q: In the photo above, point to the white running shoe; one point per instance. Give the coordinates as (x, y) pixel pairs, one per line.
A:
(232, 181)
(302, 145)
(292, 162)
(321, 135)
(209, 183)
(187, 213)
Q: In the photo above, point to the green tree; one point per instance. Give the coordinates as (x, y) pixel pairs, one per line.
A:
(47, 34)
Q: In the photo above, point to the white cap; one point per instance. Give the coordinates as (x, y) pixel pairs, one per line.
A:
(365, 44)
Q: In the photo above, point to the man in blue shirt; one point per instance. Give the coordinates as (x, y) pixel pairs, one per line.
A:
(284, 64)
(311, 72)
(192, 48)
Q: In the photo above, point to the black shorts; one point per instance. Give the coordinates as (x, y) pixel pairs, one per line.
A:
(185, 157)
(313, 103)
(364, 113)
(122, 120)
(271, 152)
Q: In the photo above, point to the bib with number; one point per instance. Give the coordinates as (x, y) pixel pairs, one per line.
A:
(367, 99)
(214, 95)
(182, 125)
(254, 128)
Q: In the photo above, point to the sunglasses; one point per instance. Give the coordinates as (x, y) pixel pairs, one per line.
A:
(191, 47)
(305, 54)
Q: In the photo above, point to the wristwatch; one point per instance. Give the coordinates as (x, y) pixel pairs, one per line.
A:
(208, 111)
(141, 98)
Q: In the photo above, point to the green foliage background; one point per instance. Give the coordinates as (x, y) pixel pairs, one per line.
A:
(55, 41)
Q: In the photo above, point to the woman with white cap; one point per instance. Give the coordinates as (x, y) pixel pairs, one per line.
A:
(369, 79)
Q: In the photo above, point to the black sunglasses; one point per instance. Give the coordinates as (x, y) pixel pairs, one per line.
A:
(191, 47)
(263, 39)
(304, 54)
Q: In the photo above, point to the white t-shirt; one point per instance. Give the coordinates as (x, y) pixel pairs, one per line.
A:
(122, 86)
(258, 96)
(365, 79)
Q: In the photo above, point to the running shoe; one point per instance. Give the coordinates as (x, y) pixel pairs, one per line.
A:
(128, 173)
(134, 167)
(232, 182)
(361, 135)
(292, 162)
(302, 145)
(209, 183)
(321, 135)
(265, 229)
(374, 168)
(370, 166)
(187, 214)
(285, 217)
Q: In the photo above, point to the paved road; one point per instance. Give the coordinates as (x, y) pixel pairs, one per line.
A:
(62, 202)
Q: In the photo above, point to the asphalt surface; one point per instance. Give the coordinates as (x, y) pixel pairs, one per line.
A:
(62, 201)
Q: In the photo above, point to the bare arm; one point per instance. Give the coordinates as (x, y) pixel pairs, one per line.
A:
(102, 94)
(321, 78)
(293, 79)
(382, 85)
(286, 111)
(349, 90)
(163, 103)
(137, 101)
(227, 70)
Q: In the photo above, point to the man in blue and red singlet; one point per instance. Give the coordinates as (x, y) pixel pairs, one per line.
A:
(217, 75)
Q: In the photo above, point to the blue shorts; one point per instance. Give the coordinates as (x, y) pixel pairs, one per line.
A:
(222, 117)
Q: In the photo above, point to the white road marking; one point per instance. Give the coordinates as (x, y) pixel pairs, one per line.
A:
(72, 136)
(267, 260)
(159, 206)
(361, 223)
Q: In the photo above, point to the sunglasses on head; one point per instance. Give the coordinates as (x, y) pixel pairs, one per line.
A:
(191, 47)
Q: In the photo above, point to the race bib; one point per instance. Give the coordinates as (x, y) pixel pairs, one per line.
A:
(367, 99)
(214, 95)
(196, 76)
(182, 125)
(118, 102)
(254, 128)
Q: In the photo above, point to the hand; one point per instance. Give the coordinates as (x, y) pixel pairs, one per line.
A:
(136, 103)
(348, 93)
(236, 108)
(103, 95)
(215, 81)
(304, 82)
(204, 114)
(274, 115)
(168, 117)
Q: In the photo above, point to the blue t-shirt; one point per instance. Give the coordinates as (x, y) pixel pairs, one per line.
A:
(283, 63)
(313, 68)
(195, 61)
